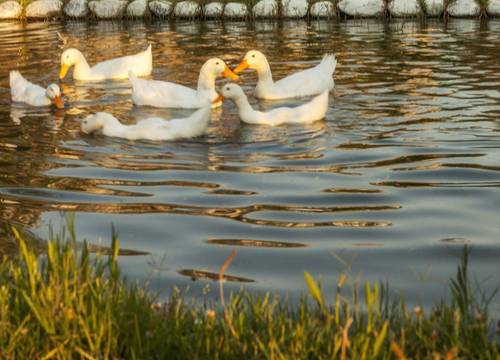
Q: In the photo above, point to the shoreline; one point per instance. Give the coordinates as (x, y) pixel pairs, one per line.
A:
(46, 10)
(63, 301)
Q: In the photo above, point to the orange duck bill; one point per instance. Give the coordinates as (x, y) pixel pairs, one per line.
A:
(63, 72)
(219, 98)
(242, 66)
(229, 74)
(58, 102)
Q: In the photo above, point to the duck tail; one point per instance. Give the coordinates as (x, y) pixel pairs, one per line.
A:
(14, 76)
(17, 82)
(330, 62)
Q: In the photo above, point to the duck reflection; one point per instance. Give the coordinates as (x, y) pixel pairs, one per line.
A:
(53, 118)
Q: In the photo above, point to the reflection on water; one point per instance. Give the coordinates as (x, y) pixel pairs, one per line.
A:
(201, 274)
(402, 173)
(259, 243)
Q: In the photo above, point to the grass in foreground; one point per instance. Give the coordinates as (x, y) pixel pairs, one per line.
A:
(67, 304)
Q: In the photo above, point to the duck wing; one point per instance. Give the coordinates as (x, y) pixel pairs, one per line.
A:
(24, 91)
(194, 125)
(310, 81)
(118, 68)
(309, 112)
(162, 94)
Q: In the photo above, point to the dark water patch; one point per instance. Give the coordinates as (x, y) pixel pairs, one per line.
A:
(457, 241)
(256, 243)
(9, 244)
(232, 192)
(202, 274)
(121, 252)
(411, 159)
(352, 191)
(405, 184)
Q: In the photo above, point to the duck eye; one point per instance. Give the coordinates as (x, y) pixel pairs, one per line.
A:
(228, 89)
(253, 55)
(217, 63)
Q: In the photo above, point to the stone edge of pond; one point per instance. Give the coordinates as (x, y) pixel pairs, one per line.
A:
(245, 10)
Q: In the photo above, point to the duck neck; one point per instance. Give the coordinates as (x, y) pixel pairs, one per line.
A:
(243, 105)
(206, 83)
(82, 67)
(113, 127)
(265, 77)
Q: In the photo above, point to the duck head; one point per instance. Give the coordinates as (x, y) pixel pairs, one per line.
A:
(69, 58)
(96, 122)
(216, 68)
(253, 59)
(53, 92)
(232, 92)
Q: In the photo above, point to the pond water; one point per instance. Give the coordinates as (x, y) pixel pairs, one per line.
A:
(404, 170)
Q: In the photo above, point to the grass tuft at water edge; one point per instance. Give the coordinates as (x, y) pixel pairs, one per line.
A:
(67, 304)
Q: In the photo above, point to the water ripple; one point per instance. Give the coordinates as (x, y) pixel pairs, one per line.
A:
(403, 170)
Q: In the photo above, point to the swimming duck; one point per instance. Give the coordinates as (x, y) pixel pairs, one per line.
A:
(303, 83)
(309, 112)
(170, 95)
(141, 64)
(24, 91)
(151, 128)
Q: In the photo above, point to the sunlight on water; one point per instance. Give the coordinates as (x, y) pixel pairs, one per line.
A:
(404, 170)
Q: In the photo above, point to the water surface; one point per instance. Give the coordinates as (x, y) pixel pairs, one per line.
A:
(404, 170)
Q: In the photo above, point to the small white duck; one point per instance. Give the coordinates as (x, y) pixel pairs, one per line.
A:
(22, 90)
(151, 128)
(165, 94)
(141, 64)
(303, 83)
(309, 112)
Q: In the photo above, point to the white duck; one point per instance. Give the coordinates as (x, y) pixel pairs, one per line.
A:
(309, 112)
(22, 90)
(141, 64)
(151, 128)
(303, 83)
(170, 95)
